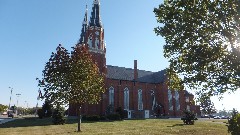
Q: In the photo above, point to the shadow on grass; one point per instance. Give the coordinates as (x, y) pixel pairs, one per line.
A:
(34, 121)
(176, 125)
(27, 122)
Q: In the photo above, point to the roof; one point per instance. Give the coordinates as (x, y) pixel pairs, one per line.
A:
(122, 73)
(188, 93)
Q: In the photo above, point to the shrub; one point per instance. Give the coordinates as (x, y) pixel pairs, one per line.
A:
(103, 118)
(40, 113)
(47, 108)
(234, 123)
(93, 118)
(110, 109)
(84, 117)
(58, 116)
(120, 111)
(189, 118)
(114, 117)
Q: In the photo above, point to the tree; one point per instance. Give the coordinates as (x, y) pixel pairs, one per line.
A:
(55, 82)
(189, 117)
(202, 43)
(3, 108)
(87, 84)
(47, 108)
(58, 115)
(234, 123)
(13, 108)
(207, 106)
(72, 78)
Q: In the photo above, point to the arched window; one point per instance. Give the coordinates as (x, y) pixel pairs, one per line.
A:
(111, 96)
(153, 99)
(126, 99)
(90, 41)
(96, 43)
(177, 100)
(170, 100)
(140, 100)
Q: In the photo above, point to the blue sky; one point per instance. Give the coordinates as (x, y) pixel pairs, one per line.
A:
(30, 30)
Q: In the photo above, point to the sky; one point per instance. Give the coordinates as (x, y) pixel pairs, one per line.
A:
(31, 29)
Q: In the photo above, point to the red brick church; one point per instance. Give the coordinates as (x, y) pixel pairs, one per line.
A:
(143, 94)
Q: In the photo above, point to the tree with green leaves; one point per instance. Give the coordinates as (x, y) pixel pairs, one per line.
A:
(3, 108)
(58, 115)
(72, 78)
(55, 81)
(207, 106)
(202, 43)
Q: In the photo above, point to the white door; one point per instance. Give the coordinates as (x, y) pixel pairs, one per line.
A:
(146, 113)
(129, 114)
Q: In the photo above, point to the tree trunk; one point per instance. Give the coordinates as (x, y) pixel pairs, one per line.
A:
(79, 119)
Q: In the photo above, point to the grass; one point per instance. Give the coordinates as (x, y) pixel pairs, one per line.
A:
(35, 126)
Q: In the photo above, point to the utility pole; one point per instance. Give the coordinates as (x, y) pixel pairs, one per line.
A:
(17, 102)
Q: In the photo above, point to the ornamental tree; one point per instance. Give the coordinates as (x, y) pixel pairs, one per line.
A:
(72, 78)
(202, 43)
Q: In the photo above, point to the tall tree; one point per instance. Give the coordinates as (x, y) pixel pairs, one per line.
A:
(55, 82)
(87, 84)
(202, 43)
(72, 78)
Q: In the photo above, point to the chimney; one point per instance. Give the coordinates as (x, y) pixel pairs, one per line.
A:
(135, 70)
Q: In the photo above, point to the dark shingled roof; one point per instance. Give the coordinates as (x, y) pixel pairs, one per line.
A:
(122, 73)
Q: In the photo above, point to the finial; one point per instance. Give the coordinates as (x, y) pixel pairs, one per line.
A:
(96, 2)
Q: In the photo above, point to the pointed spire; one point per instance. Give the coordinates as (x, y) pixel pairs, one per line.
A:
(84, 27)
(95, 19)
(85, 16)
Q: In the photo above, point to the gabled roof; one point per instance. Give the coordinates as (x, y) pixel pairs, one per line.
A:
(122, 73)
(186, 93)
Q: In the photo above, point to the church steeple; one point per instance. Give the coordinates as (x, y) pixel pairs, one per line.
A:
(92, 35)
(95, 19)
(84, 27)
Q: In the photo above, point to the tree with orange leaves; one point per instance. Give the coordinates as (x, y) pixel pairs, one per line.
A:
(72, 78)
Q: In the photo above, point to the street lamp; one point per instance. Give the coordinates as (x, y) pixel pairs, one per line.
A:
(10, 97)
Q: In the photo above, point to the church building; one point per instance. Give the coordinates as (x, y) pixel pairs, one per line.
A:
(142, 94)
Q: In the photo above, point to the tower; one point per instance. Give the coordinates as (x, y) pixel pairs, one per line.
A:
(92, 35)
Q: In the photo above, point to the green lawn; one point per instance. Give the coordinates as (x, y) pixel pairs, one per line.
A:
(31, 126)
